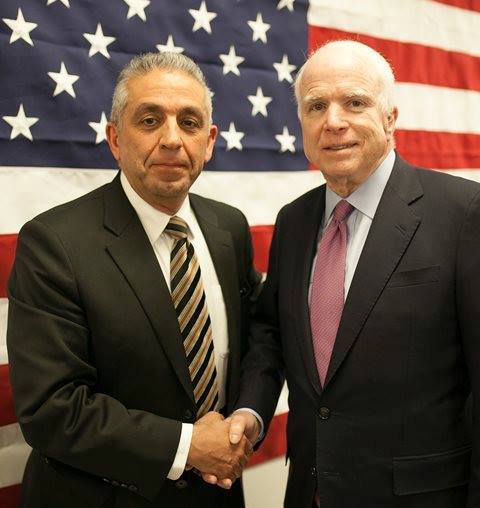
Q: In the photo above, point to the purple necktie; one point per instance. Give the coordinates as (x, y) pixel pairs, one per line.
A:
(327, 296)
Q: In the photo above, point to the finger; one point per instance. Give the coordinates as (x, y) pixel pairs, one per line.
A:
(237, 429)
(212, 416)
(210, 478)
(226, 483)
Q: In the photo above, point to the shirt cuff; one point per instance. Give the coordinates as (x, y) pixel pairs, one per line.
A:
(178, 466)
(259, 419)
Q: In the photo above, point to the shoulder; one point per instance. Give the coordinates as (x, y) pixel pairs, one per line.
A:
(70, 219)
(223, 213)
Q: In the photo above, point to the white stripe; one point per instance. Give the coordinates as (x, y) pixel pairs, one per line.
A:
(3, 330)
(435, 108)
(416, 21)
(13, 455)
(282, 404)
(259, 195)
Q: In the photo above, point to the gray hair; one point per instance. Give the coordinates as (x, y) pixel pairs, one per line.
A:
(375, 59)
(145, 63)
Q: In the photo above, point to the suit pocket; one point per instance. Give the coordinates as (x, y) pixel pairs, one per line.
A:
(414, 277)
(428, 473)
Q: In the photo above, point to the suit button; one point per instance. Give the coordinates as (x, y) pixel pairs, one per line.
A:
(115, 483)
(181, 484)
(188, 414)
(324, 413)
(313, 471)
(133, 488)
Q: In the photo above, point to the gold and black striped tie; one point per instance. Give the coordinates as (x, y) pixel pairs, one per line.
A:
(191, 306)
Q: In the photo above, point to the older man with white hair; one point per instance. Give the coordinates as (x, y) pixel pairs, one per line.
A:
(370, 309)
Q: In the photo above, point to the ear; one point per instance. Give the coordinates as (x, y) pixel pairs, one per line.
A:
(212, 136)
(112, 139)
(390, 121)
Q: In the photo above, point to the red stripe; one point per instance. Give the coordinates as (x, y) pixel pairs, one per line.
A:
(432, 66)
(8, 244)
(470, 5)
(7, 412)
(440, 150)
(261, 238)
(10, 496)
(275, 443)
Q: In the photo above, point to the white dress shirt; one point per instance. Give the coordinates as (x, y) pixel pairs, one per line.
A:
(154, 222)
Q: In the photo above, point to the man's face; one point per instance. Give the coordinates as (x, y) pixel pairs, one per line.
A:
(345, 133)
(164, 137)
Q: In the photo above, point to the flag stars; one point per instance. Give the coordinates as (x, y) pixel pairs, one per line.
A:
(284, 69)
(64, 81)
(170, 46)
(137, 8)
(99, 42)
(21, 124)
(259, 102)
(285, 3)
(202, 18)
(286, 141)
(64, 2)
(231, 62)
(259, 29)
(20, 28)
(233, 137)
(100, 128)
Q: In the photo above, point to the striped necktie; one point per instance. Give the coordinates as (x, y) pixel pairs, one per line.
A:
(191, 307)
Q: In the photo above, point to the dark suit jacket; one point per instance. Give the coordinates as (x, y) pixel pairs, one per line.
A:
(98, 370)
(390, 427)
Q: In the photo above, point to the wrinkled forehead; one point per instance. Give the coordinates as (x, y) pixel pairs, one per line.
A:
(339, 68)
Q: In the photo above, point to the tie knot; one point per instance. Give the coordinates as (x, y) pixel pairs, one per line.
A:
(177, 228)
(342, 211)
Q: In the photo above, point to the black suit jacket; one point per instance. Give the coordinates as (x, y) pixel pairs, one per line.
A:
(390, 428)
(99, 375)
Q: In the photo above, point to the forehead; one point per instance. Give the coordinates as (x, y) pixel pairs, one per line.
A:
(339, 74)
(164, 86)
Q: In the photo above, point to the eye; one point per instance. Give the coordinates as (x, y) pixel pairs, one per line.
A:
(190, 123)
(356, 103)
(149, 121)
(317, 106)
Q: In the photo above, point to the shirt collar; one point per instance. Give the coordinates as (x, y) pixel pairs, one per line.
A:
(366, 198)
(154, 221)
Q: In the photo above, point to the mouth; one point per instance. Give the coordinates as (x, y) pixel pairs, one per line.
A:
(339, 147)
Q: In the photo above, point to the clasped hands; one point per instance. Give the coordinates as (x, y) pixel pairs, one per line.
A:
(220, 447)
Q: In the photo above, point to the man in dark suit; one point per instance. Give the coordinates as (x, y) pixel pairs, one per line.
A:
(128, 312)
(370, 309)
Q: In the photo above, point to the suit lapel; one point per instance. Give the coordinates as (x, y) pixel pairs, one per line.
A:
(391, 231)
(305, 248)
(220, 246)
(133, 254)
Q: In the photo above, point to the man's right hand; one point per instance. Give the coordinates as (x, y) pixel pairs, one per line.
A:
(211, 450)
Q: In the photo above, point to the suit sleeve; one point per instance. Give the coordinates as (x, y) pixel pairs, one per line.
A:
(54, 377)
(262, 372)
(468, 308)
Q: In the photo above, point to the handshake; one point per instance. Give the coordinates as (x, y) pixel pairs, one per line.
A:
(220, 448)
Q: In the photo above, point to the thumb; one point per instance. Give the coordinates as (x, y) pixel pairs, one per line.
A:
(237, 428)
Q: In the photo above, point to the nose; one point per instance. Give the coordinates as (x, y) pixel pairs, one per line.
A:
(170, 136)
(335, 118)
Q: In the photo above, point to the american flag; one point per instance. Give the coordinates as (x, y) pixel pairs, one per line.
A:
(59, 60)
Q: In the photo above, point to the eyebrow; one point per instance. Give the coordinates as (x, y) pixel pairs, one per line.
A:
(151, 107)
